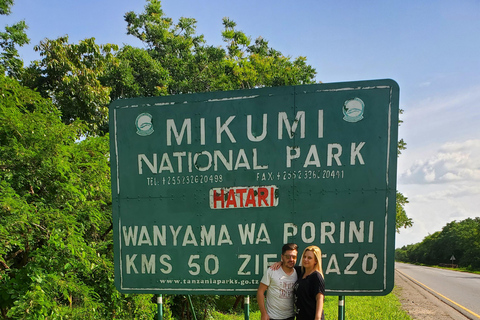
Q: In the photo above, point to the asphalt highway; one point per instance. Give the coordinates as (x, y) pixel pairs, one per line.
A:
(459, 289)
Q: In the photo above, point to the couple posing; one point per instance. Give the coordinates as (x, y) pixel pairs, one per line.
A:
(288, 285)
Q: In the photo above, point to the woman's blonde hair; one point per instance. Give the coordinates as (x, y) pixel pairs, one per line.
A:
(318, 256)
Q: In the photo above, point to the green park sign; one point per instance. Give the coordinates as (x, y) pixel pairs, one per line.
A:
(208, 187)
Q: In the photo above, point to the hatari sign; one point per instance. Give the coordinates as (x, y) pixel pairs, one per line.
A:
(208, 187)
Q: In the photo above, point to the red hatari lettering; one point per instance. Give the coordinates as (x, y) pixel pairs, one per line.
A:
(243, 197)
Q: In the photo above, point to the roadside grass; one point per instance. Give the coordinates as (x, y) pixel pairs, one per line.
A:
(365, 307)
(461, 269)
(368, 308)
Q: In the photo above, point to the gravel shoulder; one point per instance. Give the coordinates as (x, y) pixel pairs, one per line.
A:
(421, 304)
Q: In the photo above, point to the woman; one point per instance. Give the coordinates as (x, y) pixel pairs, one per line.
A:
(309, 289)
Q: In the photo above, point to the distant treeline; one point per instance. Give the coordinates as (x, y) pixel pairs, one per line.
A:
(460, 240)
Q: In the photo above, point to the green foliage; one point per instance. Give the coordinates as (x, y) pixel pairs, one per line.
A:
(402, 145)
(402, 220)
(70, 74)
(135, 73)
(82, 79)
(190, 64)
(55, 239)
(195, 67)
(13, 36)
(458, 239)
(257, 65)
(5, 6)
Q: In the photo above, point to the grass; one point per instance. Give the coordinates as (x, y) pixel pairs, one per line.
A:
(461, 269)
(368, 308)
(365, 307)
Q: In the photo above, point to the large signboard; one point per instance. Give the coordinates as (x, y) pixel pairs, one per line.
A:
(208, 187)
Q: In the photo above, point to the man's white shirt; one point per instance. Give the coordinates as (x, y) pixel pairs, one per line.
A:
(279, 293)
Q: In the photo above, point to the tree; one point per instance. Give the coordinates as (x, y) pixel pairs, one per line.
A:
(55, 216)
(135, 73)
(5, 7)
(82, 79)
(13, 36)
(459, 239)
(402, 220)
(176, 47)
(462, 240)
(195, 67)
(70, 74)
(257, 65)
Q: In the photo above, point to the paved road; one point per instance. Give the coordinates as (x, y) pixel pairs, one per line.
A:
(460, 287)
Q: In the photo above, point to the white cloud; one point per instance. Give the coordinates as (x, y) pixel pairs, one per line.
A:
(432, 206)
(442, 185)
(450, 192)
(469, 145)
(454, 162)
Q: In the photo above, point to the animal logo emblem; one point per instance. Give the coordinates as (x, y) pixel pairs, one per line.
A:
(353, 110)
(144, 124)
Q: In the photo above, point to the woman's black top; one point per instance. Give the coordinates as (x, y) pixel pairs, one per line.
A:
(306, 291)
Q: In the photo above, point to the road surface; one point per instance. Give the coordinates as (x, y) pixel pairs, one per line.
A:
(459, 289)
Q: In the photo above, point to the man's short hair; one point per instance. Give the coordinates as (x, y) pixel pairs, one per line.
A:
(289, 246)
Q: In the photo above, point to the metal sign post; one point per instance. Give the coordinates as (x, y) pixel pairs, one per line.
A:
(160, 306)
(189, 298)
(247, 308)
(206, 188)
(341, 308)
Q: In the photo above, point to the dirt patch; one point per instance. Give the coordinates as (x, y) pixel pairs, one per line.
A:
(420, 304)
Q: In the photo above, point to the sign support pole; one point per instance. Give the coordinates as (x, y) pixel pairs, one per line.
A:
(160, 307)
(191, 307)
(341, 307)
(247, 307)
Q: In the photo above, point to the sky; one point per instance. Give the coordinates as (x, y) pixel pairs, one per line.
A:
(430, 48)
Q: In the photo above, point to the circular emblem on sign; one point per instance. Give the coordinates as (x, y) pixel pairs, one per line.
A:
(353, 110)
(144, 124)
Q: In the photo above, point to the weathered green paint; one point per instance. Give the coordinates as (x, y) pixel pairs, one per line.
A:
(331, 184)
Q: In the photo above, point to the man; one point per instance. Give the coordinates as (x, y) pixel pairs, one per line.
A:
(279, 287)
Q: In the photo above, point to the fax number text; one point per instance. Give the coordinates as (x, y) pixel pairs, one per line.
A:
(300, 175)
